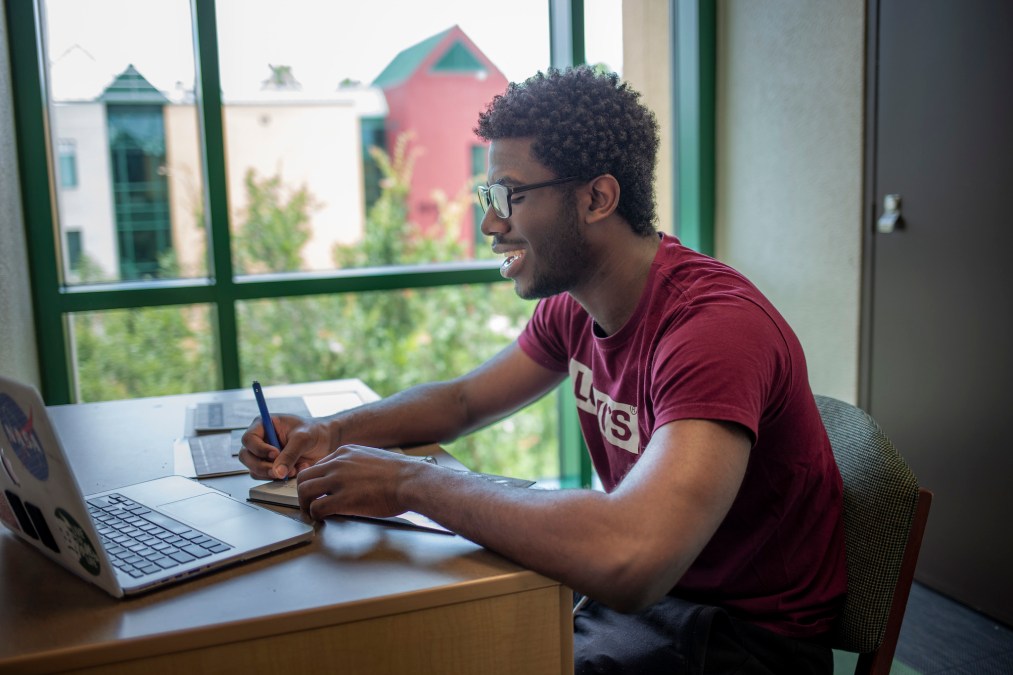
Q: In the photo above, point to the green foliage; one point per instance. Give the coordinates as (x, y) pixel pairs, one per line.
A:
(276, 228)
(151, 351)
(88, 270)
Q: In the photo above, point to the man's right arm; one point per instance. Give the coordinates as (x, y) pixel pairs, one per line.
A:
(427, 413)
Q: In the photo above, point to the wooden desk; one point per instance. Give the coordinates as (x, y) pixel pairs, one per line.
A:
(361, 598)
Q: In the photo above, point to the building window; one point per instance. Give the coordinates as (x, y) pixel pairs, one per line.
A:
(140, 189)
(67, 164)
(74, 248)
(374, 140)
(479, 167)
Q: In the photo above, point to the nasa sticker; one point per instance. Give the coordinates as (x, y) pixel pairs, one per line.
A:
(20, 431)
(76, 540)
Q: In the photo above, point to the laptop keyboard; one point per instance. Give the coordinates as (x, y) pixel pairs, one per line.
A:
(140, 541)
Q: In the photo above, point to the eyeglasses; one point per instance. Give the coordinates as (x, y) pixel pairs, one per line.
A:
(498, 195)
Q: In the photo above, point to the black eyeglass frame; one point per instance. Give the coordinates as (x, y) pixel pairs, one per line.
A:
(486, 199)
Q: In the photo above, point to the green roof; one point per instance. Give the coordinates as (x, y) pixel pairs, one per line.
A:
(131, 87)
(458, 58)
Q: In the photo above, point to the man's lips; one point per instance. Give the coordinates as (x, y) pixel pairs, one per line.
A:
(512, 258)
(513, 253)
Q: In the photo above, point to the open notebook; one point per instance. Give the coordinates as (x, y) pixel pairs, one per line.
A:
(283, 492)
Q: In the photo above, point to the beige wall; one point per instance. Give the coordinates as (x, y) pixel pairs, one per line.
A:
(647, 58)
(789, 168)
(320, 144)
(322, 152)
(88, 206)
(17, 334)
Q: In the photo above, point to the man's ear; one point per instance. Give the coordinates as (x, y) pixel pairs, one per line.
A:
(604, 192)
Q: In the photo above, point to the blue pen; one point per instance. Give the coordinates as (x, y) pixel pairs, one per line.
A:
(265, 417)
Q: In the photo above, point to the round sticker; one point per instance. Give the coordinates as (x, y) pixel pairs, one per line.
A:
(77, 541)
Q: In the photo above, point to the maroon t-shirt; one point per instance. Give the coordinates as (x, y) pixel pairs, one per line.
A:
(704, 343)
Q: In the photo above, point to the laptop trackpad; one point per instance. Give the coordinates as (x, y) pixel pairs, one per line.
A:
(208, 511)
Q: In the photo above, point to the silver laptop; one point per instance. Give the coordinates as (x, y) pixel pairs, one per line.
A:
(131, 539)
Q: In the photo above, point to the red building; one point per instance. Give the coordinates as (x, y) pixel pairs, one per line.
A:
(435, 90)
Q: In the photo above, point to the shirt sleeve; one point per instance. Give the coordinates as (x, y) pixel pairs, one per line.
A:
(721, 364)
(543, 337)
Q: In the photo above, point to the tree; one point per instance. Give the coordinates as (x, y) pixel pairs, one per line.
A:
(276, 228)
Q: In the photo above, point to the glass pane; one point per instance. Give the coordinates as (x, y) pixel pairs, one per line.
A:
(151, 351)
(129, 183)
(603, 34)
(392, 340)
(351, 124)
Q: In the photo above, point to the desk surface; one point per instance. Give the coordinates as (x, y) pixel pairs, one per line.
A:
(351, 574)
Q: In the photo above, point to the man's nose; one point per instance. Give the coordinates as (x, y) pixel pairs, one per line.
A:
(493, 224)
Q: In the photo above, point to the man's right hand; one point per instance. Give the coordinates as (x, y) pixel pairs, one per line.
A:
(304, 440)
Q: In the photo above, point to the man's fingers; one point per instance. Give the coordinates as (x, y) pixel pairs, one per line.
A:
(259, 468)
(284, 464)
(253, 443)
(310, 492)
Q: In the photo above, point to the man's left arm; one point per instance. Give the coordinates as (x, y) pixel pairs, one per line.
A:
(627, 548)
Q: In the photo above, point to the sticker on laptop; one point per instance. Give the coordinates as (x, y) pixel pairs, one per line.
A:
(7, 515)
(77, 541)
(20, 431)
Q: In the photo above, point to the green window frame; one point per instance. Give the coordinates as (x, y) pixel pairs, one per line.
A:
(53, 302)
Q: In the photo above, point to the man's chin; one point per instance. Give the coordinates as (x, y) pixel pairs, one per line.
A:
(522, 292)
(536, 292)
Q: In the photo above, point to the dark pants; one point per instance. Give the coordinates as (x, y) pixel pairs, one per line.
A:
(677, 637)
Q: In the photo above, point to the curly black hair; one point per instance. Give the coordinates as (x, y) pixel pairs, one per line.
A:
(584, 123)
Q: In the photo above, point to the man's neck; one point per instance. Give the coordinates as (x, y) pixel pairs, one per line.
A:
(612, 291)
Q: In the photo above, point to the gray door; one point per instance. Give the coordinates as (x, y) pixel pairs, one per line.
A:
(938, 363)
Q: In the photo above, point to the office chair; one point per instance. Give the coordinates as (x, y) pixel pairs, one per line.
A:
(885, 512)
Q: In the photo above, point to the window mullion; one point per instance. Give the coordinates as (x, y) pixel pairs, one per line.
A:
(694, 33)
(566, 33)
(24, 20)
(216, 194)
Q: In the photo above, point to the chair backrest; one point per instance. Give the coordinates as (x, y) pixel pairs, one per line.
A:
(885, 512)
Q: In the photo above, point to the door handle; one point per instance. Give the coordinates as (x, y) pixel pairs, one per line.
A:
(890, 220)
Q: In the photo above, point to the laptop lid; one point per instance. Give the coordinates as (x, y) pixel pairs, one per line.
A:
(41, 502)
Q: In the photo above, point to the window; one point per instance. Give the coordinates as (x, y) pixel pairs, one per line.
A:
(67, 164)
(301, 211)
(73, 249)
(140, 187)
(221, 206)
(479, 166)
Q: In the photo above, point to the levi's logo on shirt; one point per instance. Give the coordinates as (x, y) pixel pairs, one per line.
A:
(617, 421)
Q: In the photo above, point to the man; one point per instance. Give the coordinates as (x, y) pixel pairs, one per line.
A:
(717, 544)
